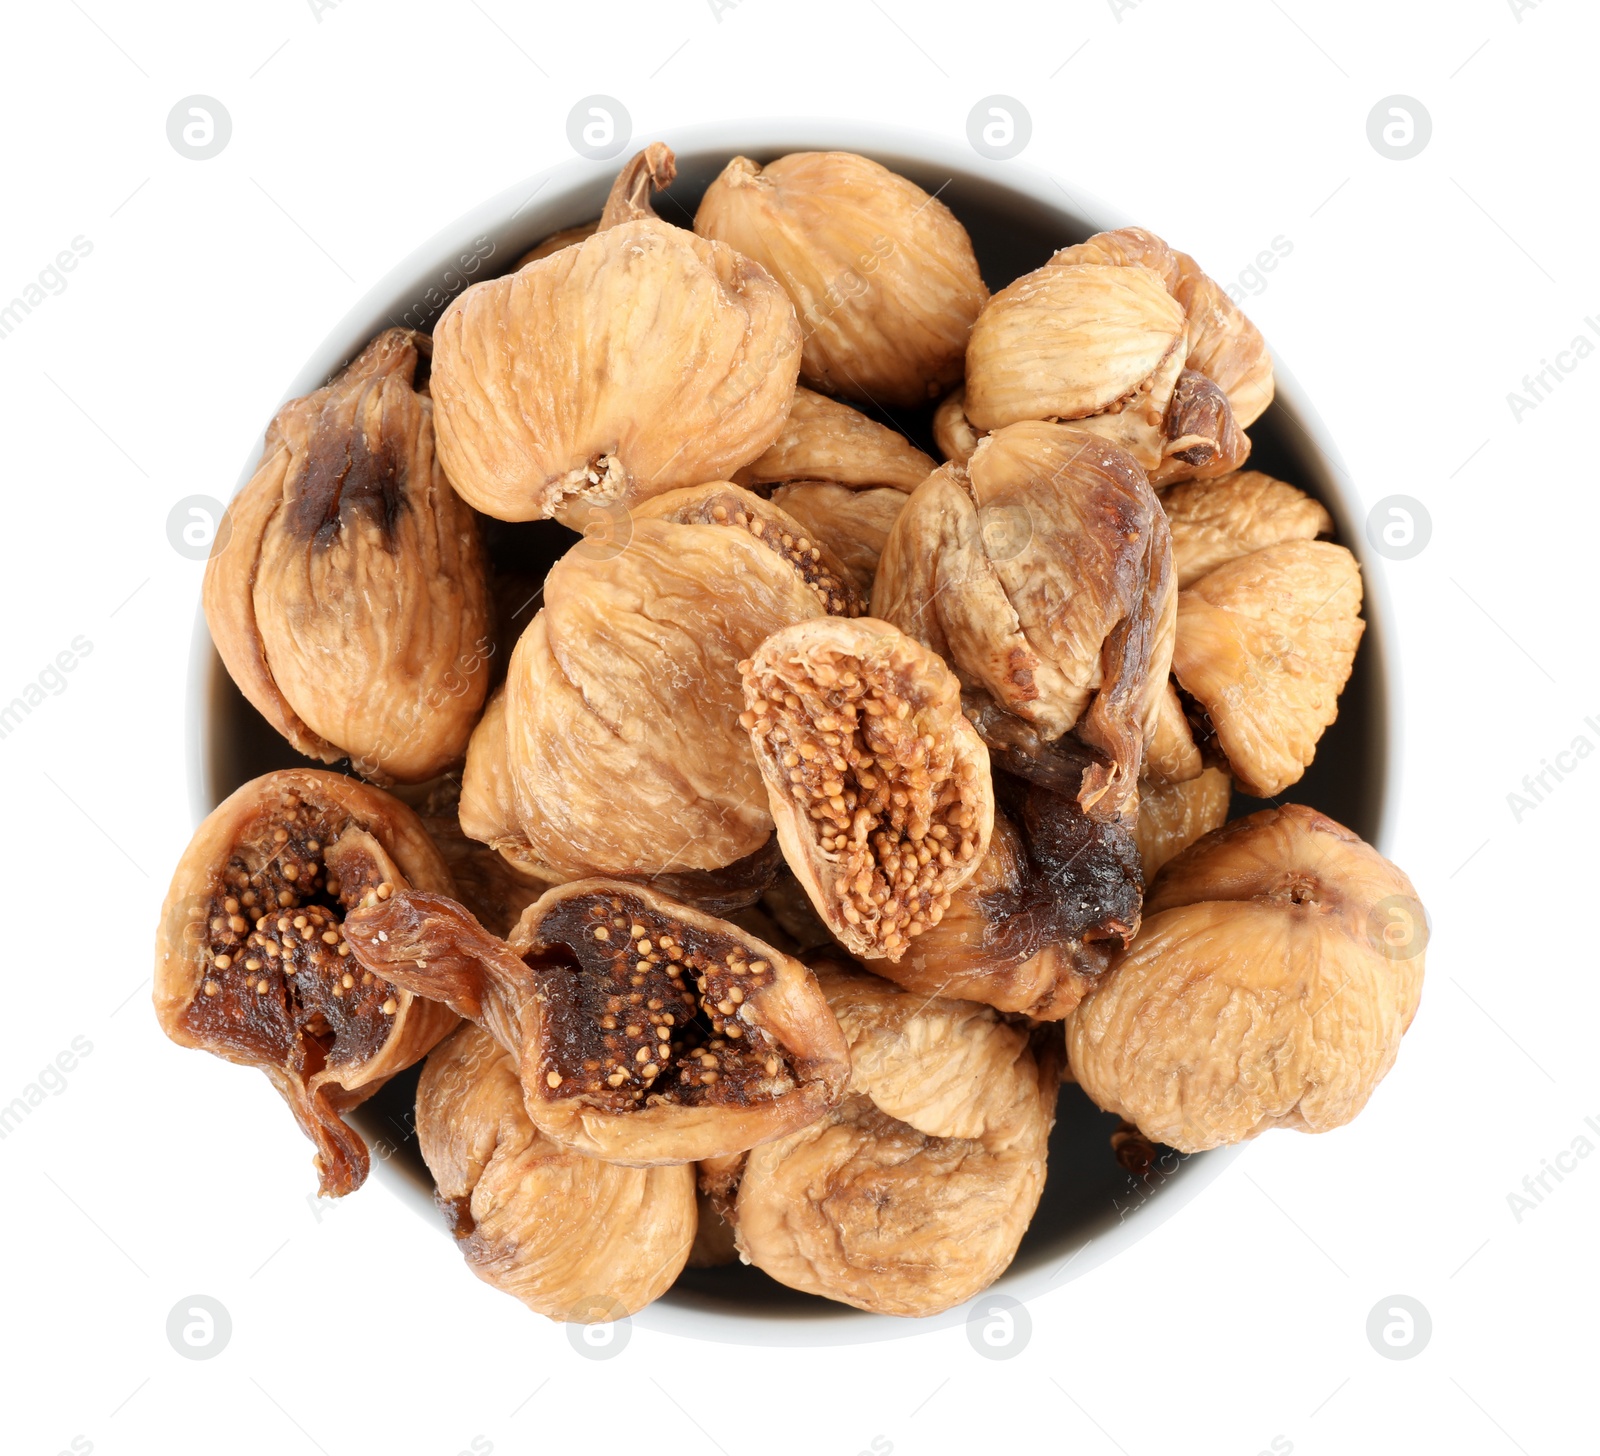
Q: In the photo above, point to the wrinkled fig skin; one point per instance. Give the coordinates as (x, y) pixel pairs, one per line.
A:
(347, 591)
(1171, 756)
(952, 430)
(645, 1032)
(570, 1236)
(853, 524)
(1265, 645)
(1261, 991)
(617, 747)
(1214, 522)
(883, 276)
(734, 508)
(1042, 572)
(1223, 344)
(246, 969)
(640, 360)
(823, 439)
(1173, 816)
(878, 784)
(913, 1194)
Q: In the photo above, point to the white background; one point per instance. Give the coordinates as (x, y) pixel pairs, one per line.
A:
(1417, 295)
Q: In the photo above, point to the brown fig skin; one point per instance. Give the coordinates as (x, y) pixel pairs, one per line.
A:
(252, 963)
(347, 590)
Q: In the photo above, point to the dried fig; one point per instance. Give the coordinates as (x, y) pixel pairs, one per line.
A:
(913, 1194)
(1265, 645)
(853, 524)
(825, 440)
(618, 750)
(717, 1185)
(1214, 522)
(487, 883)
(645, 1032)
(1171, 755)
(952, 430)
(557, 241)
(733, 508)
(252, 963)
(1042, 572)
(347, 591)
(1202, 440)
(639, 360)
(882, 275)
(1223, 344)
(1057, 895)
(570, 1236)
(1173, 816)
(878, 785)
(1279, 963)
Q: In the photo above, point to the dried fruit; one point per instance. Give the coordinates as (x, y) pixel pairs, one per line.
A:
(1171, 755)
(1056, 896)
(952, 430)
(644, 1031)
(1265, 645)
(882, 275)
(1223, 344)
(878, 785)
(570, 1236)
(252, 960)
(640, 360)
(557, 241)
(823, 439)
(716, 1187)
(1216, 521)
(488, 884)
(1173, 816)
(733, 508)
(852, 524)
(913, 1194)
(1042, 573)
(1201, 441)
(347, 591)
(1279, 964)
(618, 748)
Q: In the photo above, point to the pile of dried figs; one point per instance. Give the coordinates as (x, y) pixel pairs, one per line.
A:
(754, 897)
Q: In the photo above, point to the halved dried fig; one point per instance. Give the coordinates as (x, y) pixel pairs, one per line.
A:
(619, 749)
(645, 1031)
(1172, 816)
(1042, 572)
(913, 1194)
(347, 590)
(882, 275)
(572, 1237)
(853, 524)
(639, 360)
(252, 962)
(1057, 895)
(1265, 646)
(878, 785)
(1223, 344)
(1279, 964)
(731, 507)
(1214, 522)
(823, 439)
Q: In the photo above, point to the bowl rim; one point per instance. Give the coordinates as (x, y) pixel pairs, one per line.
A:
(679, 1313)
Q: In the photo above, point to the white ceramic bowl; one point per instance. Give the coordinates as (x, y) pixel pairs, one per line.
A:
(1017, 216)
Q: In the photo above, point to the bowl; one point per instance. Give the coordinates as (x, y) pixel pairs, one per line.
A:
(1091, 1211)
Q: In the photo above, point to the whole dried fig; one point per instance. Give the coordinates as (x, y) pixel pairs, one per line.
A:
(1172, 816)
(644, 1031)
(1279, 964)
(913, 1194)
(1214, 522)
(952, 430)
(618, 748)
(1056, 896)
(1171, 755)
(570, 1236)
(853, 524)
(882, 275)
(347, 590)
(252, 963)
(878, 785)
(1042, 572)
(639, 360)
(1265, 645)
(823, 439)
